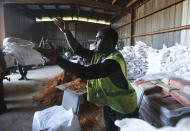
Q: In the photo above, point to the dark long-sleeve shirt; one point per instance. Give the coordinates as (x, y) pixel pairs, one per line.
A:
(105, 68)
(93, 71)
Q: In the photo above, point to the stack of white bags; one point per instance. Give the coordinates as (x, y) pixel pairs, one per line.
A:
(144, 60)
(174, 60)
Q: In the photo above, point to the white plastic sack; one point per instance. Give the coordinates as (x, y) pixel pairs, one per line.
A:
(55, 118)
(133, 124)
(22, 50)
(17, 41)
(9, 60)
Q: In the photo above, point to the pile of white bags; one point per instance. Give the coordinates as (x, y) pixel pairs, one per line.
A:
(144, 60)
(55, 118)
(136, 59)
(22, 50)
(174, 60)
(130, 124)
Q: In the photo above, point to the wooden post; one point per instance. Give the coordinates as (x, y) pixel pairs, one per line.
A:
(132, 26)
(2, 25)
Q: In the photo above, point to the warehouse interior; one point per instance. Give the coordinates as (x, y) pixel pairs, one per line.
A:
(156, 29)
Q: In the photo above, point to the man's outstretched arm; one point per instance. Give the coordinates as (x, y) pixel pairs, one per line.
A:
(73, 43)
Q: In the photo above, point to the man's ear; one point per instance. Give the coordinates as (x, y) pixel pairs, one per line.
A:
(111, 41)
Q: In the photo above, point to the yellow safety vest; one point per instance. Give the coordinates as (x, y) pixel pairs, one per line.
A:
(103, 92)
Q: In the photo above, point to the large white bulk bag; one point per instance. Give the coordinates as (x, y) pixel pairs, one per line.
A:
(23, 51)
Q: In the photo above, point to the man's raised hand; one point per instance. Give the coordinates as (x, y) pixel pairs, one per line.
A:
(62, 25)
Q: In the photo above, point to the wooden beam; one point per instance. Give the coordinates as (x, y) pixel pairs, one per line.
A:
(124, 37)
(131, 3)
(164, 31)
(89, 3)
(2, 26)
(123, 25)
(113, 2)
(132, 27)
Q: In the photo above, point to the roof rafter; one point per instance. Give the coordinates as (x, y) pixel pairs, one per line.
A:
(113, 2)
(131, 3)
(81, 2)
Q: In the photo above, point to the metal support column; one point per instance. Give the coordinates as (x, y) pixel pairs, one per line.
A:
(132, 26)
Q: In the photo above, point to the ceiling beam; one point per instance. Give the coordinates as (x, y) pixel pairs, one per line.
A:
(113, 2)
(89, 3)
(131, 3)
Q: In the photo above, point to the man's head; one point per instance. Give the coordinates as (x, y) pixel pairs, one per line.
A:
(106, 40)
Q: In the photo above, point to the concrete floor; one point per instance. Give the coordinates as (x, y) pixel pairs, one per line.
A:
(18, 96)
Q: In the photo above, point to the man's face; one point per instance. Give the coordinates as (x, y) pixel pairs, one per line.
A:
(101, 43)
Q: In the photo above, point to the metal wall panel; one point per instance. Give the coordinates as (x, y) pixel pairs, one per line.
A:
(165, 19)
(84, 32)
(187, 39)
(125, 31)
(18, 23)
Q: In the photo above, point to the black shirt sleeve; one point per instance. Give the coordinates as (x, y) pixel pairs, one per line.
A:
(93, 71)
(100, 70)
(85, 53)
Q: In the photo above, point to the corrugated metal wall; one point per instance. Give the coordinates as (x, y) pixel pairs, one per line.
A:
(84, 32)
(154, 16)
(123, 27)
(185, 34)
(51, 31)
(18, 24)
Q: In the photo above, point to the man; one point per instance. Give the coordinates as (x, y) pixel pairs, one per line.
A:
(107, 81)
(3, 107)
